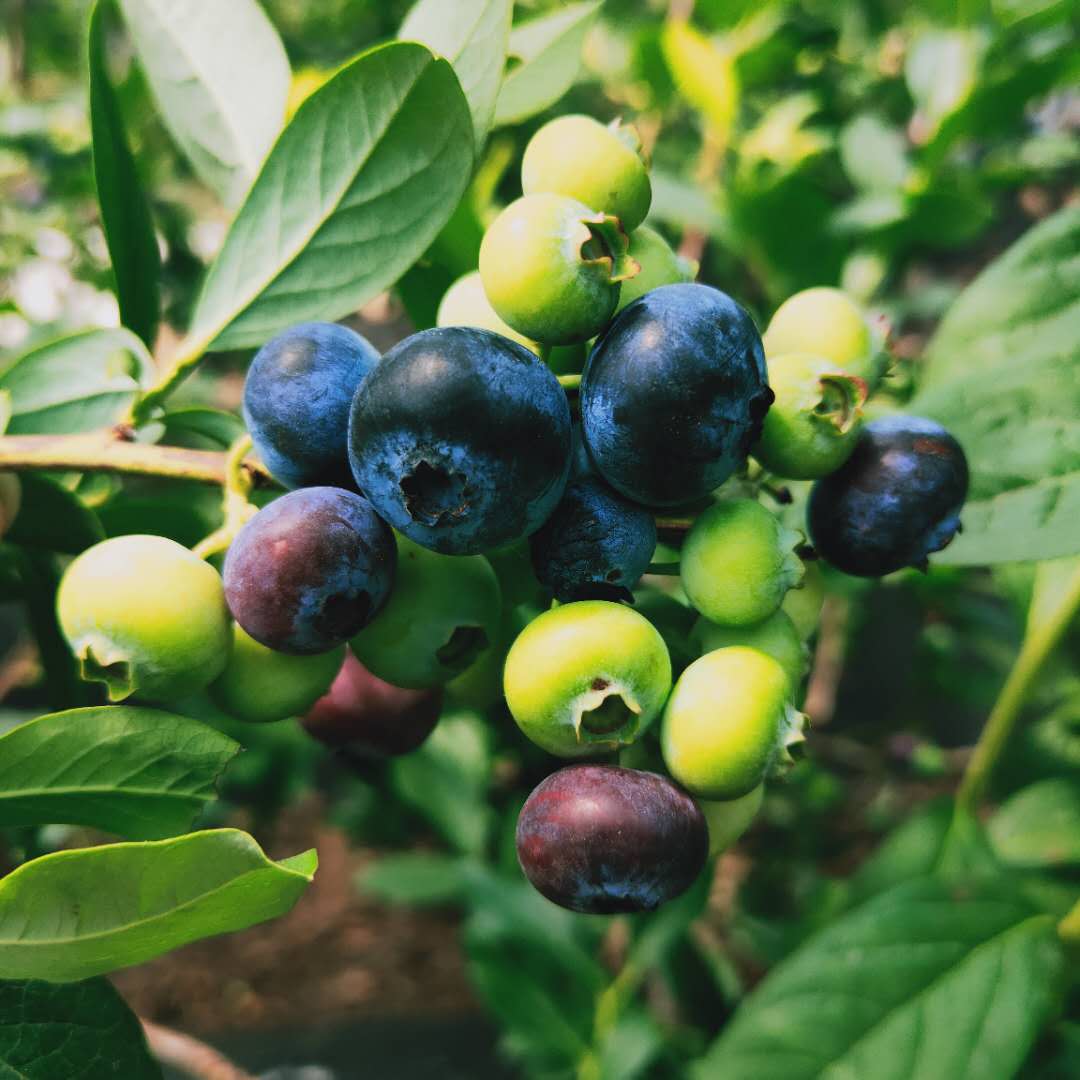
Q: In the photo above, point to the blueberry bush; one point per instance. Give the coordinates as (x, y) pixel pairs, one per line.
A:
(695, 569)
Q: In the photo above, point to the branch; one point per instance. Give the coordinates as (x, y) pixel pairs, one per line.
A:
(191, 1057)
(109, 451)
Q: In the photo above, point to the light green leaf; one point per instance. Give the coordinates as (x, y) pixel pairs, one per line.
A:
(75, 914)
(140, 773)
(361, 181)
(1040, 825)
(548, 51)
(201, 428)
(920, 982)
(874, 154)
(941, 68)
(1004, 377)
(79, 1031)
(221, 79)
(125, 214)
(473, 35)
(76, 383)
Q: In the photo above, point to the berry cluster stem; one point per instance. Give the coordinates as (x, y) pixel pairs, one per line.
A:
(236, 507)
(112, 451)
(183, 364)
(1039, 641)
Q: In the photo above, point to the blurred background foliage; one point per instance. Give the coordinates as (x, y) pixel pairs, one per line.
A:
(893, 148)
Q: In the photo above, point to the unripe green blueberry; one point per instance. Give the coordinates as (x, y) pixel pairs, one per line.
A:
(728, 820)
(260, 686)
(586, 678)
(728, 723)
(551, 268)
(10, 501)
(828, 323)
(442, 614)
(660, 265)
(145, 616)
(803, 604)
(811, 426)
(775, 636)
(466, 304)
(599, 166)
(738, 561)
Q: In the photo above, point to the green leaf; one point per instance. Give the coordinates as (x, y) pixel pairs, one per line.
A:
(548, 51)
(221, 79)
(1004, 377)
(79, 1031)
(359, 184)
(53, 518)
(183, 511)
(941, 68)
(1040, 825)
(473, 35)
(920, 982)
(75, 914)
(447, 780)
(140, 773)
(414, 878)
(874, 154)
(201, 428)
(77, 383)
(125, 214)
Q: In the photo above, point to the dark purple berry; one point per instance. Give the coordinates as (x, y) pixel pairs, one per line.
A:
(309, 570)
(894, 502)
(363, 715)
(602, 839)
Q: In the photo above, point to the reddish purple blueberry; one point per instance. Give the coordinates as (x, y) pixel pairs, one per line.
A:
(363, 715)
(894, 502)
(602, 839)
(310, 570)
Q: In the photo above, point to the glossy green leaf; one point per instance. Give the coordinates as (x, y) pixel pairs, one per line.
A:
(125, 213)
(77, 383)
(919, 982)
(1040, 825)
(53, 518)
(874, 154)
(75, 914)
(359, 184)
(415, 877)
(548, 55)
(201, 428)
(221, 79)
(1004, 377)
(473, 35)
(183, 511)
(139, 773)
(75, 1031)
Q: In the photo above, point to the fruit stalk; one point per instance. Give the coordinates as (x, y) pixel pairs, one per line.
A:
(186, 360)
(111, 451)
(235, 506)
(1038, 643)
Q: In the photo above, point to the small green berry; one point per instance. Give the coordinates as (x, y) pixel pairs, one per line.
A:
(803, 603)
(728, 723)
(261, 686)
(586, 678)
(659, 266)
(811, 428)
(775, 636)
(466, 304)
(728, 820)
(738, 561)
(599, 166)
(145, 616)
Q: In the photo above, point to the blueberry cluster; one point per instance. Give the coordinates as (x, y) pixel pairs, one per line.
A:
(467, 526)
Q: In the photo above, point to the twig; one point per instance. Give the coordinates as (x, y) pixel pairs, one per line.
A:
(107, 451)
(190, 1056)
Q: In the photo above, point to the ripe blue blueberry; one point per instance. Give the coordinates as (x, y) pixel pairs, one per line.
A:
(309, 570)
(602, 839)
(296, 401)
(894, 502)
(674, 394)
(461, 440)
(595, 546)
